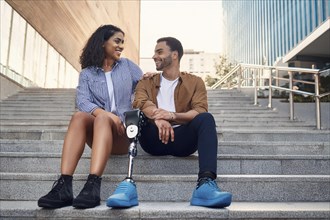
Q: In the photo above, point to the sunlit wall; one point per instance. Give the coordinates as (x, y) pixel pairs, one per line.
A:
(27, 58)
(262, 31)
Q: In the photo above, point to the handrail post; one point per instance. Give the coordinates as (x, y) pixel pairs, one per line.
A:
(277, 81)
(291, 96)
(317, 102)
(239, 78)
(270, 91)
(255, 88)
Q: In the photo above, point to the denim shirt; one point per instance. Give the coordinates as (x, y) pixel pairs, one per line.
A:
(92, 89)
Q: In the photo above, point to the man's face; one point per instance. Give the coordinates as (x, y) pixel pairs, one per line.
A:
(162, 56)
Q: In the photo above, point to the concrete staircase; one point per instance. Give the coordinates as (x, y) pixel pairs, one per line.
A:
(275, 168)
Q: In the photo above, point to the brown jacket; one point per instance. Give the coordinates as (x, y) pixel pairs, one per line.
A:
(189, 94)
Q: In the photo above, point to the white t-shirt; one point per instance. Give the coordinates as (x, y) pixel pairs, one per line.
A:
(110, 90)
(165, 96)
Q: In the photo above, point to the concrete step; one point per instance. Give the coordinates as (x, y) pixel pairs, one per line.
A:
(230, 102)
(220, 111)
(274, 148)
(243, 114)
(62, 123)
(280, 134)
(33, 125)
(53, 134)
(24, 162)
(45, 122)
(59, 125)
(219, 114)
(26, 103)
(26, 114)
(172, 210)
(229, 98)
(253, 119)
(225, 147)
(40, 98)
(32, 118)
(245, 188)
(237, 123)
(224, 134)
(266, 126)
(223, 91)
(38, 108)
(247, 107)
(55, 109)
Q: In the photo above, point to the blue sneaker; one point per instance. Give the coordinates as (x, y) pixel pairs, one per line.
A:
(125, 195)
(208, 194)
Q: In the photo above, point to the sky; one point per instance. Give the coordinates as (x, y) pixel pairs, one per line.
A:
(197, 24)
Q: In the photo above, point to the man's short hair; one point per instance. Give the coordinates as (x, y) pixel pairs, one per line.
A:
(174, 44)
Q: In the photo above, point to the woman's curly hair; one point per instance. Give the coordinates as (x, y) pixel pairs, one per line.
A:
(93, 52)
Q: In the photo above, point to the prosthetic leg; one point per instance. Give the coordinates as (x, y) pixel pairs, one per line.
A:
(125, 194)
(134, 120)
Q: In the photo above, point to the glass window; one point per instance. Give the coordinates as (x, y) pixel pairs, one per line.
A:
(17, 43)
(5, 29)
(29, 53)
(52, 68)
(61, 73)
(41, 62)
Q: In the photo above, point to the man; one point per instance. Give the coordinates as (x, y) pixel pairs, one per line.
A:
(176, 105)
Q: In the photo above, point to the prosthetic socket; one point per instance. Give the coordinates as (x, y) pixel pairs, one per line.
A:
(134, 120)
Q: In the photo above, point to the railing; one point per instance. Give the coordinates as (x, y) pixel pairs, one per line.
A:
(16, 77)
(263, 77)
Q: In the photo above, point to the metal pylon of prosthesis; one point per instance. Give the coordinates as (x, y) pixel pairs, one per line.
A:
(134, 120)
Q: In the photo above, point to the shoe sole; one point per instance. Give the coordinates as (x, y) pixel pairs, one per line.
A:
(222, 202)
(47, 205)
(122, 203)
(85, 206)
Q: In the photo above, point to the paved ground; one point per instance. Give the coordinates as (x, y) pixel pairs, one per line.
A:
(302, 111)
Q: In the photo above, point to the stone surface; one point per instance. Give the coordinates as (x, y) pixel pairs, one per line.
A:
(275, 168)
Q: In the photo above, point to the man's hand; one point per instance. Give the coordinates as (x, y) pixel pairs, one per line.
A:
(162, 114)
(165, 130)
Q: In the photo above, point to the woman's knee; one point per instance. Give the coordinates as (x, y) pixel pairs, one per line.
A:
(81, 117)
(103, 120)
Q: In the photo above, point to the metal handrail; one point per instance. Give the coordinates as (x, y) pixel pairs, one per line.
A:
(238, 70)
(223, 79)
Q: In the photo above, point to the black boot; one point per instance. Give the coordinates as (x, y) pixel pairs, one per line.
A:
(89, 197)
(61, 194)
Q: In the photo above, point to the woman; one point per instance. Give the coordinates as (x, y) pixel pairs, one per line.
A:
(104, 93)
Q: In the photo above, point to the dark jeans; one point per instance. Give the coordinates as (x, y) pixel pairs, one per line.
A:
(199, 134)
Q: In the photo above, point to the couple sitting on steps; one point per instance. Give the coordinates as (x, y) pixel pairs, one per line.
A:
(175, 104)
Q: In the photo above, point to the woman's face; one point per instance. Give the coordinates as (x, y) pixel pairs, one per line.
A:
(114, 46)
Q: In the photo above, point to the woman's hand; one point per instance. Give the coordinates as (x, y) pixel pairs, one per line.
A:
(116, 120)
(118, 123)
(148, 75)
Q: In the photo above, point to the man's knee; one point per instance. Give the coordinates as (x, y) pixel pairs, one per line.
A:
(205, 118)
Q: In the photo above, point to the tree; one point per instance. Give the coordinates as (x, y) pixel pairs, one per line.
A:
(222, 66)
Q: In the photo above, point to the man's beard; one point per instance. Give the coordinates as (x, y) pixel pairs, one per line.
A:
(167, 61)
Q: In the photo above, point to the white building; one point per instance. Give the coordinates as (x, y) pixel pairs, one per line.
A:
(195, 62)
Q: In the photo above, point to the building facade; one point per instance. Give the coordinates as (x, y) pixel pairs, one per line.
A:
(199, 63)
(264, 31)
(41, 41)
